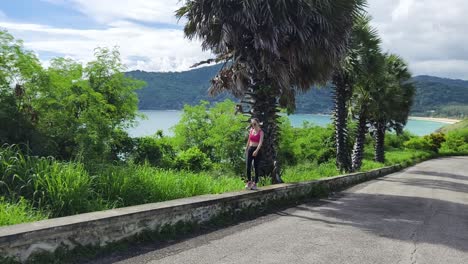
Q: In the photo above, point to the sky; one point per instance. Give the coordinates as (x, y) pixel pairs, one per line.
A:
(429, 34)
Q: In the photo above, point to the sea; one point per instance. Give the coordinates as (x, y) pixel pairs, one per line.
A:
(155, 120)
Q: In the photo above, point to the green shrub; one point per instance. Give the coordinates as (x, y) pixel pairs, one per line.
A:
(193, 159)
(435, 141)
(456, 142)
(158, 152)
(418, 143)
(396, 141)
(307, 144)
(121, 145)
(431, 142)
(147, 150)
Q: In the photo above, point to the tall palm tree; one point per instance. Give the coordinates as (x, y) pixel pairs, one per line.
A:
(358, 69)
(369, 70)
(392, 104)
(274, 49)
(363, 99)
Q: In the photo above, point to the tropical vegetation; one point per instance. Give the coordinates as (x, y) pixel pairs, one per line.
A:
(64, 146)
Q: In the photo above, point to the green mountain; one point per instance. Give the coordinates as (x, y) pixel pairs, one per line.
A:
(171, 90)
(440, 97)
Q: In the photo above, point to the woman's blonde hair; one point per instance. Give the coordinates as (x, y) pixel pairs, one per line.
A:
(256, 120)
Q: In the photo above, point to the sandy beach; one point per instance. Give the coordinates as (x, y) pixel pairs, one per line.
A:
(436, 119)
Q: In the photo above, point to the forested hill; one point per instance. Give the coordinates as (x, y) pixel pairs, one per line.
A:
(442, 96)
(171, 90)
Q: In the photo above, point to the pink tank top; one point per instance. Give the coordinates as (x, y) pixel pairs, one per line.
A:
(254, 138)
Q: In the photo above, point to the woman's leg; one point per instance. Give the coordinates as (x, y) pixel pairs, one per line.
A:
(249, 159)
(256, 163)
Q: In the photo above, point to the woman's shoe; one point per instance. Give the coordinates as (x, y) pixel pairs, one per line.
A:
(254, 187)
(248, 186)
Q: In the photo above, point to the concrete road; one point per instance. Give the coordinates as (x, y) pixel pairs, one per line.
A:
(419, 215)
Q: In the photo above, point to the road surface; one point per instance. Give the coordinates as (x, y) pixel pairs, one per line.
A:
(419, 215)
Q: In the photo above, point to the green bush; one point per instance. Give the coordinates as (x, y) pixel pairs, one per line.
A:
(147, 150)
(121, 145)
(456, 142)
(306, 144)
(158, 152)
(435, 140)
(418, 143)
(396, 141)
(193, 159)
(431, 142)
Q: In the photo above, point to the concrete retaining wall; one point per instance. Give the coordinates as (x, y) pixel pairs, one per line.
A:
(20, 242)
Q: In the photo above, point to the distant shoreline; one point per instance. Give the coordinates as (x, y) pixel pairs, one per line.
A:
(436, 119)
(432, 119)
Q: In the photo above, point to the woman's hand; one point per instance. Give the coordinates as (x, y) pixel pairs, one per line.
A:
(255, 153)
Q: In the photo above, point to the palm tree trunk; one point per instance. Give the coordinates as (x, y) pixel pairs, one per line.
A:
(341, 96)
(379, 137)
(358, 149)
(265, 109)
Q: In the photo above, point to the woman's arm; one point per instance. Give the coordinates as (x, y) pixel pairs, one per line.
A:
(259, 144)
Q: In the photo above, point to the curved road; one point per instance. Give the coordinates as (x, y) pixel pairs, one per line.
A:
(419, 215)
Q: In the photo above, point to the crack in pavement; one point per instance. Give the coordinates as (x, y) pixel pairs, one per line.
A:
(415, 247)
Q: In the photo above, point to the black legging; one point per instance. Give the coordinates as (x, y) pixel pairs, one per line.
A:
(256, 160)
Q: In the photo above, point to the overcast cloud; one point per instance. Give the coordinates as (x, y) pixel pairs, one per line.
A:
(429, 34)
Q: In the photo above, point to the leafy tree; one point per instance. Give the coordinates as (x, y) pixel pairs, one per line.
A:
(274, 49)
(19, 72)
(80, 109)
(216, 131)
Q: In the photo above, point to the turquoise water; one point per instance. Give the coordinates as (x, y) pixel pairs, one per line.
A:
(164, 120)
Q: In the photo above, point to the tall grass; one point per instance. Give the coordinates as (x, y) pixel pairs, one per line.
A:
(18, 212)
(137, 184)
(309, 171)
(57, 187)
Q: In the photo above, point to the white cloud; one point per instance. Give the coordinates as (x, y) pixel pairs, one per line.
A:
(141, 47)
(429, 34)
(106, 11)
(402, 10)
(455, 69)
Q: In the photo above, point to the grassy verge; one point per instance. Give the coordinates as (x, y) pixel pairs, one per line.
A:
(60, 189)
(313, 171)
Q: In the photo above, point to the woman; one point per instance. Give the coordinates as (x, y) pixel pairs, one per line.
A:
(254, 143)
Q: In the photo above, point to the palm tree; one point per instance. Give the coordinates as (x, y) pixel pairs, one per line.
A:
(368, 69)
(363, 99)
(271, 50)
(392, 105)
(358, 69)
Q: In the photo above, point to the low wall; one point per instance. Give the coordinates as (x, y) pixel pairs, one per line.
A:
(98, 229)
